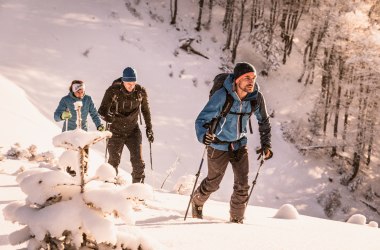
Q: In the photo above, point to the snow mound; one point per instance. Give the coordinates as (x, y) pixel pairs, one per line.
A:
(287, 211)
(373, 224)
(106, 172)
(357, 219)
(79, 138)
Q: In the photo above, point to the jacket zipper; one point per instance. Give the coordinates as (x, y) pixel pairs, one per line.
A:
(238, 120)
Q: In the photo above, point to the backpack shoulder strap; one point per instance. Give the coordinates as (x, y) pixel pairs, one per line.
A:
(227, 104)
(253, 106)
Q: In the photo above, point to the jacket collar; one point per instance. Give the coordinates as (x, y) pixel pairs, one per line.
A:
(71, 94)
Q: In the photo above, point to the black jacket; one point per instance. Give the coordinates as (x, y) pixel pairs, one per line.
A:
(121, 108)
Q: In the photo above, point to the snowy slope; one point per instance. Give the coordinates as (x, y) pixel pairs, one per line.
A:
(45, 54)
(45, 42)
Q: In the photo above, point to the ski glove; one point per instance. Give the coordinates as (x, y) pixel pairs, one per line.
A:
(208, 139)
(101, 128)
(267, 152)
(149, 135)
(66, 115)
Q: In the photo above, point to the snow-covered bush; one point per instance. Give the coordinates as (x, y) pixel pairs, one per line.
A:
(17, 153)
(184, 185)
(330, 202)
(369, 194)
(64, 211)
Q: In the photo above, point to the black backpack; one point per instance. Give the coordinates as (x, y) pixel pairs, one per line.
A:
(218, 84)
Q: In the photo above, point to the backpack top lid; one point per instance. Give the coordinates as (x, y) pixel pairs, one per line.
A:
(218, 82)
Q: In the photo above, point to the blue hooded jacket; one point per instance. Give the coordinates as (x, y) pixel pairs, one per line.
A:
(67, 102)
(228, 128)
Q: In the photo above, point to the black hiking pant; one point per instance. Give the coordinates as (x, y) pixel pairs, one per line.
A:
(217, 165)
(133, 141)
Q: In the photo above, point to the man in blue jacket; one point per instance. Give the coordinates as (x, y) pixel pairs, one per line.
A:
(228, 143)
(66, 111)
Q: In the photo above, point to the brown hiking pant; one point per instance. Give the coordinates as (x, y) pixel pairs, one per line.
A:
(217, 165)
(133, 142)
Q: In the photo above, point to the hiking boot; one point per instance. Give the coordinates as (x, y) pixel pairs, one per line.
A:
(196, 210)
(236, 220)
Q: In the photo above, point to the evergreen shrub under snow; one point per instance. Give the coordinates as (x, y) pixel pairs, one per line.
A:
(74, 210)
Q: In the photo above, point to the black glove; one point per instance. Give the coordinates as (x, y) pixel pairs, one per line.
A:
(266, 151)
(208, 139)
(149, 135)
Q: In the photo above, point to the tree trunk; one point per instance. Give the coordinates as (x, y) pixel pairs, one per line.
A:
(291, 15)
(257, 12)
(229, 23)
(348, 96)
(358, 151)
(327, 91)
(199, 22)
(316, 36)
(336, 122)
(173, 12)
(371, 133)
(273, 20)
(228, 15)
(237, 32)
(337, 104)
(210, 6)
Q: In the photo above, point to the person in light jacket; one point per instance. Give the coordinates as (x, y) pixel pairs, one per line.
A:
(66, 111)
(228, 143)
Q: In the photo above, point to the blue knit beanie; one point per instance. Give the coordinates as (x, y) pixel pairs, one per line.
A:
(129, 75)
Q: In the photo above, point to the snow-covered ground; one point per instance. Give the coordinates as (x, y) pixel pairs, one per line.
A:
(47, 44)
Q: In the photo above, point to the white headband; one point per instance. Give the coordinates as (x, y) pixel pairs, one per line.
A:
(77, 86)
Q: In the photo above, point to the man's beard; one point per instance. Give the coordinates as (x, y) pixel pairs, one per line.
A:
(248, 88)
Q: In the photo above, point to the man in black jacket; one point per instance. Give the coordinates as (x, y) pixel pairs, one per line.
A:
(120, 108)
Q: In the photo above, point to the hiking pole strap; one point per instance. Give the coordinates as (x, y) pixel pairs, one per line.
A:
(196, 180)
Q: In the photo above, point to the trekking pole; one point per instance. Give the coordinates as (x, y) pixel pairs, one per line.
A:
(105, 154)
(67, 120)
(211, 129)
(196, 180)
(108, 124)
(151, 161)
(257, 174)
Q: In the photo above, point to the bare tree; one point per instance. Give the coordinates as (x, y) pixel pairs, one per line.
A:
(317, 34)
(173, 11)
(210, 7)
(228, 15)
(257, 12)
(291, 15)
(199, 22)
(228, 22)
(237, 32)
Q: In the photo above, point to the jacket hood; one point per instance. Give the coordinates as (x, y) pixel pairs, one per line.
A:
(229, 83)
